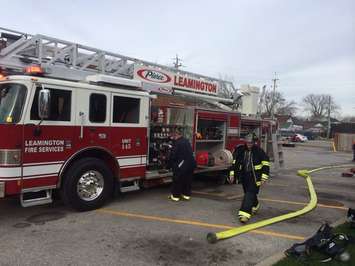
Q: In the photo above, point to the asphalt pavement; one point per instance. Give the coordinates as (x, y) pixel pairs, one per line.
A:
(144, 228)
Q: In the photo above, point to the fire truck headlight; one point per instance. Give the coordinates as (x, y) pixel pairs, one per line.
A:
(10, 157)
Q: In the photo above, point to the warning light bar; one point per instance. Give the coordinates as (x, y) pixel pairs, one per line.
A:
(2, 74)
(34, 70)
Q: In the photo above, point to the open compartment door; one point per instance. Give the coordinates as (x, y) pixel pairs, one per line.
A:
(210, 140)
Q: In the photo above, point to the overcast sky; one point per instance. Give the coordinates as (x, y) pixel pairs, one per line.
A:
(309, 43)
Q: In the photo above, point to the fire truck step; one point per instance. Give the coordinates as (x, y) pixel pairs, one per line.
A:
(129, 186)
(36, 197)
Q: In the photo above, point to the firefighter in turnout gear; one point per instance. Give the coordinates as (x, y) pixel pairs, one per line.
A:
(183, 164)
(251, 167)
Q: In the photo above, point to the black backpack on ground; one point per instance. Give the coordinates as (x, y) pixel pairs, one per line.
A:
(317, 241)
(351, 217)
(333, 246)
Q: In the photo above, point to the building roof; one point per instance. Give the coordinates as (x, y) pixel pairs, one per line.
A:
(286, 125)
(344, 127)
(282, 119)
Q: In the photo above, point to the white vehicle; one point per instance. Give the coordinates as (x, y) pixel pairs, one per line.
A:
(299, 138)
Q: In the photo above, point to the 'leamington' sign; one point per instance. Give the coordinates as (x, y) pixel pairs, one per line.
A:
(164, 78)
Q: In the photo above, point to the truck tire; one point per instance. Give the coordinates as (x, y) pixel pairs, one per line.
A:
(87, 185)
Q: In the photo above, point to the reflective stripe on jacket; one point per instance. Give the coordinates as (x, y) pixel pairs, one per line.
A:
(261, 163)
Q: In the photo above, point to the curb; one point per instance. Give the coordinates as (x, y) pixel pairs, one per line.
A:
(279, 256)
(271, 260)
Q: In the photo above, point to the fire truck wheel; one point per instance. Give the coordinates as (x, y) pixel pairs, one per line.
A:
(87, 185)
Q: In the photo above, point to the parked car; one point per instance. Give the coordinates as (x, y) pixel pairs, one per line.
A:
(287, 142)
(310, 135)
(299, 138)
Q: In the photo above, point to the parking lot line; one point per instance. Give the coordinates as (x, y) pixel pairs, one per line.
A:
(303, 203)
(195, 223)
(222, 195)
(318, 189)
(217, 194)
(277, 185)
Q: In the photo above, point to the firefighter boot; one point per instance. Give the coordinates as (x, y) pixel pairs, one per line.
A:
(255, 209)
(184, 197)
(172, 198)
(243, 217)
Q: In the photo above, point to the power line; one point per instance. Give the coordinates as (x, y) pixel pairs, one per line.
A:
(177, 62)
(274, 80)
(328, 129)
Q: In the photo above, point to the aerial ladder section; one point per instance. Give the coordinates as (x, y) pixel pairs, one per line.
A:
(72, 61)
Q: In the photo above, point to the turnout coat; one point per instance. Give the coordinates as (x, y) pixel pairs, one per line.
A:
(182, 160)
(260, 164)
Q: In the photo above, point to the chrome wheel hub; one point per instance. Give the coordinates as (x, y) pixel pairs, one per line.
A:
(90, 185)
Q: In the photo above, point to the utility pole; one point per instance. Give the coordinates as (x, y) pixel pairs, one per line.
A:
(274, 80)
(177, 62)
(261, 101)
(328, 131)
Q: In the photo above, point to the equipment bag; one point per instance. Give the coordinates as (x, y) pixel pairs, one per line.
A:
(332, 246)
(351, 217)
(317, 241)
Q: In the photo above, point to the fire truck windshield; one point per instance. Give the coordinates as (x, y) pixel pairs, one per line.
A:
(12, 99)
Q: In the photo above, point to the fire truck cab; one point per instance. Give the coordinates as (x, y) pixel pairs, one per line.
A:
(53, 128)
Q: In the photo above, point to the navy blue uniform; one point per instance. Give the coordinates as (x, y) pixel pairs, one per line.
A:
(183, 164)
(251, 167)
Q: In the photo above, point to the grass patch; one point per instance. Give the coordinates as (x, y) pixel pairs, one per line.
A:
(315, 256)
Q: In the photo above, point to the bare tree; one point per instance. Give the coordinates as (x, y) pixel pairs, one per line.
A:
(230, 92)
(227, 92)
(276, 102)
(289, 108)
(318, 105)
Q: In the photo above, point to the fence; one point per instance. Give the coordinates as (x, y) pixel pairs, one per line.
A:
(343, 141)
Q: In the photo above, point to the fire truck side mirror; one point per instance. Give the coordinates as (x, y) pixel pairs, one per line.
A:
(44, 99)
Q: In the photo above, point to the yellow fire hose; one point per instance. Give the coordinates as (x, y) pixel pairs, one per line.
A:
(214, 237)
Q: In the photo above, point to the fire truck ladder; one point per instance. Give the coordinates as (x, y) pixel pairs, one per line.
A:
(72, 61)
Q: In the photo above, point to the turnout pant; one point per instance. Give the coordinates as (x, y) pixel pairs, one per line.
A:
(251, 191)
(181, 184)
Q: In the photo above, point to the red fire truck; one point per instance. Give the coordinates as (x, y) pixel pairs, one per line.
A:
(90, 123)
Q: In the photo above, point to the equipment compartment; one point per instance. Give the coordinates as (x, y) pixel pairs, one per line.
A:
(165, 120)
(210, 140)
